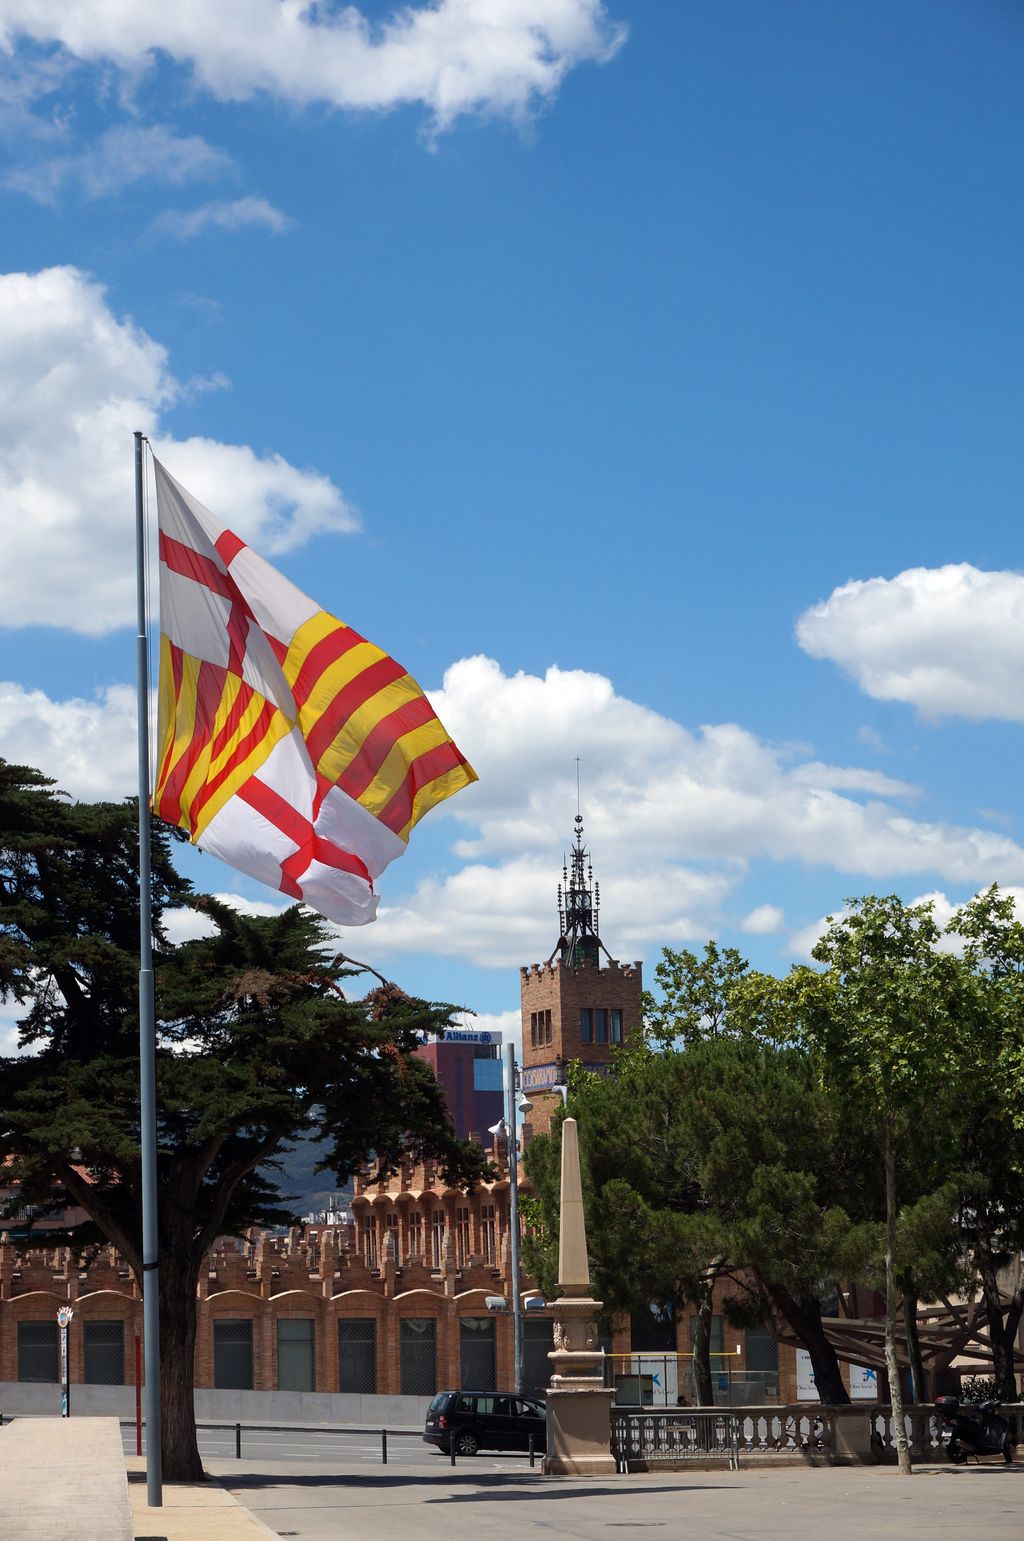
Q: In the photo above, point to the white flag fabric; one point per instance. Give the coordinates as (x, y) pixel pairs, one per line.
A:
(289, 745)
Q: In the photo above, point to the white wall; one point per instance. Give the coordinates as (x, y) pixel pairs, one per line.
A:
(319, 1407)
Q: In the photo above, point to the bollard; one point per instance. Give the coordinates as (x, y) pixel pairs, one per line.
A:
(138, 1395)
(531, 1449)
(238, 1441)
(383, 1447)
(451, 1447)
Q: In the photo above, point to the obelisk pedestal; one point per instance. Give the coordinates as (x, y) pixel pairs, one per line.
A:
(578, 1402)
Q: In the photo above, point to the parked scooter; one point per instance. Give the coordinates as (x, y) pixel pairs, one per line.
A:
(974, 1431)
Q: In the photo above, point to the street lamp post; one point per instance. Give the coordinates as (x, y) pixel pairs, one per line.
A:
(512, 1136)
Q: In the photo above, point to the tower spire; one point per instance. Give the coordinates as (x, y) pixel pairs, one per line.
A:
(579, 939)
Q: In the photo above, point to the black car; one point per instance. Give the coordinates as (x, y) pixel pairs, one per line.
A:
(484, 1420)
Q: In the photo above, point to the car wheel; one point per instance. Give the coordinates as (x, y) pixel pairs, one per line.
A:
(466, 1444)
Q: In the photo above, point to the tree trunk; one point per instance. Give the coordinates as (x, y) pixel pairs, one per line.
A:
(804, 1318)
(917, 1370)
(899, 1427)
(702, 1384)
(178, 1281)
(1002, 1327)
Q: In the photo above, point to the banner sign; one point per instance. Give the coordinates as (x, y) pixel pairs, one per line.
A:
(469, 1035)
(863, 1383)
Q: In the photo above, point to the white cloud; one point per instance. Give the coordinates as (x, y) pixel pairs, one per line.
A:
(189, 925)
(653, 788)
(88, 747)
(75, 381)
(220, 214)
(948, 640)
(764, 920)
(125, 154)
(509, 1024)
(676, 819)
(505, 914)
(451, 56)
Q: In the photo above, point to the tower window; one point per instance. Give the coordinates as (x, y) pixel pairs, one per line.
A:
(586, 1025)
(547, 1027)
(616, 1026)
(601, 1025)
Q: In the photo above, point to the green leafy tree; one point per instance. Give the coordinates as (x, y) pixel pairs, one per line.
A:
(990, 1118)
(257, 1044)
(694, 994)
(885, 1017)
(722, 1159)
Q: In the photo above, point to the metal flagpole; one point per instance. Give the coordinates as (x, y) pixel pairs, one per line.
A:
(147, 1024)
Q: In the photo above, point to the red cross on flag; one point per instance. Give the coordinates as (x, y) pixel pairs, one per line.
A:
(288, 745)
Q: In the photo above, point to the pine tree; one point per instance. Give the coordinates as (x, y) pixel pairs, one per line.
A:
(256, 1045)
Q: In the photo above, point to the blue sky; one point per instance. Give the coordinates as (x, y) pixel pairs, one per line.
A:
(645, 376)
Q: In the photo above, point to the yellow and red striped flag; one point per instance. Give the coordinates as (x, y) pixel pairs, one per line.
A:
(288, 745)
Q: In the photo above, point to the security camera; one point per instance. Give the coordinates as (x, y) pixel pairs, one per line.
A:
(495, 1302)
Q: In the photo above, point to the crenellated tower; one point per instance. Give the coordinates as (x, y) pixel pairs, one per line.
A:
(581, 1003)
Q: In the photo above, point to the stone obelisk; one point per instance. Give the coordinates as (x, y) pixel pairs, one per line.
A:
(578, 1402)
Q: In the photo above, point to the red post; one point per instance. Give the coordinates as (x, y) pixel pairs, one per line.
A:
(138, 1395)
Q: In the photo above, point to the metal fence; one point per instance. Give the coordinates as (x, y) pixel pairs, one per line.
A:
(235, 1434)
(667, 1380)
(642, 1440)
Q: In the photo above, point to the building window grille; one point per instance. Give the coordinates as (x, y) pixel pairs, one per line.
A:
(357, 1356)
(37, 1351)
(476, 1353)
(615, 1022)
(488, 1234)
(586, 1025)
(370, 1243)
(437, 1237)
(415, 1234)
(232, 1355)
(417, 1342)
(296, 1353)
(104, 1353)
(538, 1341)
(547, 1027)
(533, 1028)
(600, 1025)
(462, 1242)
(761, 1360)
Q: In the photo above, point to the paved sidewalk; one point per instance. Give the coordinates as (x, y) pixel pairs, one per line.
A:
(63, 1480)
(430, 1504)
(191, 1511)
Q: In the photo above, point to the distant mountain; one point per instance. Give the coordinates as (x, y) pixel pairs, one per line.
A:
(304, 1190)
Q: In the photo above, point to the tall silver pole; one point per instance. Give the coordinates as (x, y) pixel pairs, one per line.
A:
(513, 1211)
(147, 1025)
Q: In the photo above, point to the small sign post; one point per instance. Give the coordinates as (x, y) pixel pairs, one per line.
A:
(64, 1316)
